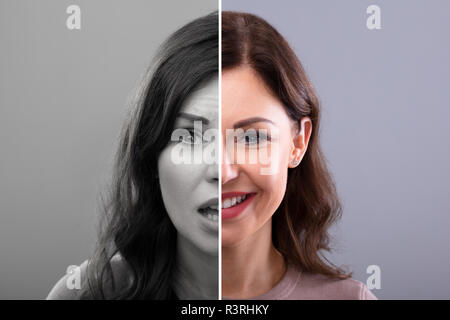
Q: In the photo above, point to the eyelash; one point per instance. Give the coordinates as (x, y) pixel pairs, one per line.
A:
(193, 135)
(258, 137)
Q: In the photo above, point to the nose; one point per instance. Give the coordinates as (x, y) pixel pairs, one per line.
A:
(212, 173)
(229, 170)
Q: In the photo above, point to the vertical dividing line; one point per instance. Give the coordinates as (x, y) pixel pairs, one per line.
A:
(219, 218)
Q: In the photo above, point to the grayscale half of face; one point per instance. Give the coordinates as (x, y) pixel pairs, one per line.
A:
(190, 189)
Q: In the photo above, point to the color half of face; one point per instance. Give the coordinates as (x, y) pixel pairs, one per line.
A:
(250, 197)
(189, 185)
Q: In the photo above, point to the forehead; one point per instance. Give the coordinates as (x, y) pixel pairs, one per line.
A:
(244, 94)
(204, 101)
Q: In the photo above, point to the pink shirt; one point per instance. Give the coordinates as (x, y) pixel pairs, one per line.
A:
(296, 285)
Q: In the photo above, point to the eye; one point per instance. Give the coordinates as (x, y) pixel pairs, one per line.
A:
(253, 137)
(190, 136)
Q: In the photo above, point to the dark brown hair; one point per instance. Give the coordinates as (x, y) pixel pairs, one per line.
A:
(311, 204)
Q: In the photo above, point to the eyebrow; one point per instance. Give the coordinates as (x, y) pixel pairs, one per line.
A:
(246, 122)
(193, 117)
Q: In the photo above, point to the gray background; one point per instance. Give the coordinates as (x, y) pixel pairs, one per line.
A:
(385, 97)
(62, 104)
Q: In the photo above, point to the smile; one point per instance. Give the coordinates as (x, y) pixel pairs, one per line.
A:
(231, 202)
(234, 203)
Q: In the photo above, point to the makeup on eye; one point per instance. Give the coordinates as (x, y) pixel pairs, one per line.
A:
(253, 131)
(253, 136)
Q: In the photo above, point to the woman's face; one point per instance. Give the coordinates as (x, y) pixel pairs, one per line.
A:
(248, 104)
(189, 183)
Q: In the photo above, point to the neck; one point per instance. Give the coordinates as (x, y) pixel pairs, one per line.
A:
(196, 272)
(252, 267)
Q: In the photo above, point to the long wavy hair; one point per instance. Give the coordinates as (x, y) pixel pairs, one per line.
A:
(135, 225)
(311, 203)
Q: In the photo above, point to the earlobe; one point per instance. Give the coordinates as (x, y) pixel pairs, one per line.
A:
(294, 162)
(296, 158)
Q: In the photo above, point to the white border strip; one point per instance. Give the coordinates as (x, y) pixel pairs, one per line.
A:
(220, 152)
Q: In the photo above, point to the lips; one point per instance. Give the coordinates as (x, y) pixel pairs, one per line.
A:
(209, 209)
(234, 203)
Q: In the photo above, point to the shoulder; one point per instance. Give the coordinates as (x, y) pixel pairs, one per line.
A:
(325, 288)
(71, 285)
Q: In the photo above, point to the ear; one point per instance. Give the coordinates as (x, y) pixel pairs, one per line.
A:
(300, 142)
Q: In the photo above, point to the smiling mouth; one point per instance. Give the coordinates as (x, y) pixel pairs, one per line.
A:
(209, 212)
(234, 201)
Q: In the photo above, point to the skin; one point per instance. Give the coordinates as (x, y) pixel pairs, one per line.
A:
(247, 248)
(187, 186)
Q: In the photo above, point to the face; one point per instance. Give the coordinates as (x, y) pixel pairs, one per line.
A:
(189, 184)
(249, 105)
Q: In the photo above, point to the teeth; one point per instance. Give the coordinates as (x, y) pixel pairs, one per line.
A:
(210, 212)
(231, 202)
(226, 203)
(212, 217)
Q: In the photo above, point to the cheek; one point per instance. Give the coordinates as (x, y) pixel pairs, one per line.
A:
(272, 182)
(177, 183)
(272, 188)
(183, 189)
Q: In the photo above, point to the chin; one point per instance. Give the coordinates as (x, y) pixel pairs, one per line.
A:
(209, 246)
(211, 250)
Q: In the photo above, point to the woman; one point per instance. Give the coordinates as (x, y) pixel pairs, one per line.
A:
(274, 225)
(160, 232)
